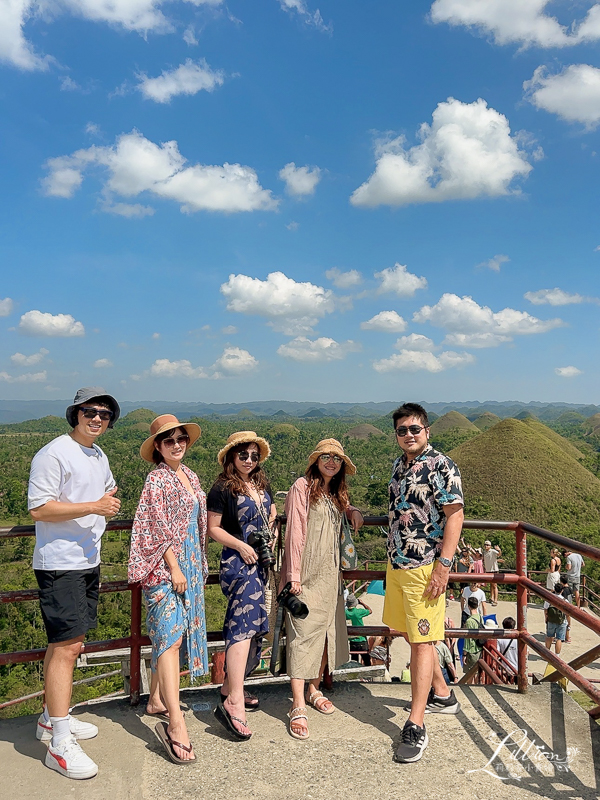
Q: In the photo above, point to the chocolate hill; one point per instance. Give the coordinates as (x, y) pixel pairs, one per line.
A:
(452, 421)
(564, 444)
(364, 431)
(517, 471)
(486, 421)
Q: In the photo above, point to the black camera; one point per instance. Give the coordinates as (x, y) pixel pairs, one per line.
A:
(293, 604)
(261, 542)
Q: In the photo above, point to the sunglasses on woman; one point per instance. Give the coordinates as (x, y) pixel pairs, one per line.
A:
(179, 440)
(245, 455)
(325, 457)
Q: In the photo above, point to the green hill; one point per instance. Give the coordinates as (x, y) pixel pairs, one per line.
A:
(138, 417)
(50, 424)
(486, 421)
(452, 421)
(514, 471)
(363, 431)
(592, 424)
(559, 440)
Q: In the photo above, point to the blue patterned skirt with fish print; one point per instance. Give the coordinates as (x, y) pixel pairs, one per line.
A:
(244, 586)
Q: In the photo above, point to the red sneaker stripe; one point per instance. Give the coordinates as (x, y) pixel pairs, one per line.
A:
(60, 760)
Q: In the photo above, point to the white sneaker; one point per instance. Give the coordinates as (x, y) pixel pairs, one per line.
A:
(78, 728)
(69, 759)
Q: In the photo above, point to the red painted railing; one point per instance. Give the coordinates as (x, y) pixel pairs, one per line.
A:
(519, 578)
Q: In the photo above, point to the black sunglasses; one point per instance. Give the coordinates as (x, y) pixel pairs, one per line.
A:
(402, 430)
(103, 413)
(244, 455)
(173, 440)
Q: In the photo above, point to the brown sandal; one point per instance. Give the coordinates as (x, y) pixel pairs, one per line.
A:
(293, 715)
(163, 734)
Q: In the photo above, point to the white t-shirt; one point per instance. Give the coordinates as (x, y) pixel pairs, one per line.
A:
(478, 593)
(490, 560)
(574, 572)
(66, 471)
(511, 655)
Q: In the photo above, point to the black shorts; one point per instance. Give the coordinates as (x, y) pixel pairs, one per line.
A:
(68, 601)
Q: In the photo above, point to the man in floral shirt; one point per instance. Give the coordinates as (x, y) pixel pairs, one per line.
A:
(426, 516)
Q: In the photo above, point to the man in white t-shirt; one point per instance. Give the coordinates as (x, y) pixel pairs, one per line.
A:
(472, 590)
(491, 556)
(71, 493)
(574, 564)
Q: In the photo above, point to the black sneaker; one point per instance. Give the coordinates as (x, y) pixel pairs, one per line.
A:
(442, 705)
(414, 741)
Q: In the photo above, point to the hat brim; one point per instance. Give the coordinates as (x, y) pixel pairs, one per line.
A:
(350, 468)
(264, 449)
(191, 428)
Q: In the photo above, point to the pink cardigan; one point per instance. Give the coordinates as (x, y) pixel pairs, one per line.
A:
(296, 509)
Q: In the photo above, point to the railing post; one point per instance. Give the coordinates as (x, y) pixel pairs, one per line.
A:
(136, 649)
(521, 544)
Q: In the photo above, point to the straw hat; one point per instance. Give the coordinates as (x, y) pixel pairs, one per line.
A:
(245, 437)
(167, 422)
(333, 447)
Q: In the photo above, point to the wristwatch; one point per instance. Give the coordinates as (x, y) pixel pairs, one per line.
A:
(445, 562)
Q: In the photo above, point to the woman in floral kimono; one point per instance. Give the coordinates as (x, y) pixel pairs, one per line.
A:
(168, 557)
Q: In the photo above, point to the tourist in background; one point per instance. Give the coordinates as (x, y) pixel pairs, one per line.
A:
(508, 647)
(556, 623)
(472, 590)
(71, 494)
(240, 509)
(168, 558)
(311, 564)
(553, 576)
(574, 564)
(491, 559)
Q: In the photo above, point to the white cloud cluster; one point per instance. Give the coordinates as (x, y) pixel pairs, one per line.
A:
(6, 307)
(232, 362)
(472, 325)
(27, 377)
(423, 360)
(40, 323)
(136, 165)
(573, 94)
(313, 18)
(520, 21)
(22, 360)
(142, 16)
(557, 297)
(102, 363)
(190, 77)
(343, 280)
(290, 307)
(414, 341)
(398, 280)
(300, 181)
(568, 372)
(466, 152)
(317, 350)
(387, 321)
(495, 262)
(163, 368)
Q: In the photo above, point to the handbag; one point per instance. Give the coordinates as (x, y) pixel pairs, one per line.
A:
(348, 554)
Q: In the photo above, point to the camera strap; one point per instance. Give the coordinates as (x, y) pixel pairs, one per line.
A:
(275, 660)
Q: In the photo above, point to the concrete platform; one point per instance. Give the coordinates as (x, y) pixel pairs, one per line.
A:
(501, 745)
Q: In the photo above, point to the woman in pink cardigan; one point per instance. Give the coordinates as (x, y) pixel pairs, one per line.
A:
(311, 564)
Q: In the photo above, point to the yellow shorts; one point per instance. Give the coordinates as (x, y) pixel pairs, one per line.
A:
(405, 609)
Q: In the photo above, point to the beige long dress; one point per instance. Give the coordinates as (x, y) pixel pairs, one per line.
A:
(322, 592)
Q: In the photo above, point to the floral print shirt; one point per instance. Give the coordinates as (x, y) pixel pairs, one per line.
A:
(418, 491)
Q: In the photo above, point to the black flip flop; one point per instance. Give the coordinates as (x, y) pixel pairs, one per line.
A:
(226, 720)
(163, 734)
(247, 704)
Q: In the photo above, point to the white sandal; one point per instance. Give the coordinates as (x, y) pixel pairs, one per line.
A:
(293, 715)
(314, 699)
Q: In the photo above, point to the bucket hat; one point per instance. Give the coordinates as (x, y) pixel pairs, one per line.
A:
(86, 394)
(167, 422)
(327, 446)
(245, 437)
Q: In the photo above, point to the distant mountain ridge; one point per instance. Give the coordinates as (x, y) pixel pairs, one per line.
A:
(20, 410)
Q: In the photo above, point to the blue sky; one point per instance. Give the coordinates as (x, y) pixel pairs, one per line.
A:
(287, 199)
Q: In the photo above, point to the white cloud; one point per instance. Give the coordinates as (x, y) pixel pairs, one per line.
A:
(316, 350)
(163, 368)
(188, 78)
(135, 165)
(27, 377)
(156, 336)
(102, 363)
(568, 372)
(398, 280)
(290, 307)
(300, 181)
(415, 341)
(189, 36)
(520, 21)
(343, 280)
(6, 307)
(67, 84)
(419, 360)
(573, 94)
(14, 48)
(292, 226)
(313, 18)
(466, 152)
(234, 361)
(229, 330)
(39, 323)
(556, 297)
(22, 360)
(92, 129)
(128, 210)
(388, 321)
(494, 263)
(472, 325)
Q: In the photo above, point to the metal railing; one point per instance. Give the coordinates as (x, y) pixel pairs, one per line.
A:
(519, 579)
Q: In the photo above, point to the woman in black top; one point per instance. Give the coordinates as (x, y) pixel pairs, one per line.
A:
(240, 505)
